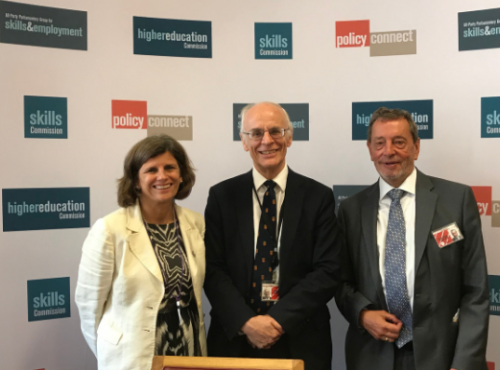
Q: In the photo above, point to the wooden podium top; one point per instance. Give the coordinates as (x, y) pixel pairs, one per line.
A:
(223, 363)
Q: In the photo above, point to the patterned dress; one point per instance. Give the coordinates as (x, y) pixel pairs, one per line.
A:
(177, 326)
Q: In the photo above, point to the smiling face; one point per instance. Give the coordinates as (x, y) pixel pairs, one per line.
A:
(159, 180)
(268, 154)
(392, 150)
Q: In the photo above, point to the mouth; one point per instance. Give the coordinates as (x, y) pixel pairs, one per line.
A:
(266, 152)
(162, 187)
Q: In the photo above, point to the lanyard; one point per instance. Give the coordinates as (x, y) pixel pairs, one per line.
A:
(178, 236)
(272, 233)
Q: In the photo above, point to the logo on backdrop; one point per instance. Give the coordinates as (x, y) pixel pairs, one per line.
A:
(298, 113)
(131, 114)
(490, 116)
(485, 204)
(494, 284)
(35, 25)
(45, 117)
(420, 110)
(172, 37)
(48, 299)
(357, 34)
(479, 29)
(44, 209)
(341, 192)
(491, 365)
(273, 41)
(179, 127)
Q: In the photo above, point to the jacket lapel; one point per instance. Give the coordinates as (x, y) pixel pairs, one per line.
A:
(369, 213)
(139, 242)
(425, 202)
(244, 214)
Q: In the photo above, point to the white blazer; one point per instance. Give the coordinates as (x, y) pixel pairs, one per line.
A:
(120, 286)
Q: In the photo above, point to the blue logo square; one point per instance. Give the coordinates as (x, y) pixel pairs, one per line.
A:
(48, 299)
(45, 117)
(420, 110)
(490, 117)
(494, 286)
(273, 41)
(341, 192)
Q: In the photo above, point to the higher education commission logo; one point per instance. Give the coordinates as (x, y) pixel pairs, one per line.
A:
(420, 110)
(172, 37)
(133, 114)
(35, 25)
(273, 41)
(349, 34)
(298, 113)
(45, 208)
(479, 29)
(490, 117)
(45, 117)
(48, 299)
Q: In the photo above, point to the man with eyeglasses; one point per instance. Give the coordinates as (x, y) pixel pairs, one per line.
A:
(272, 252)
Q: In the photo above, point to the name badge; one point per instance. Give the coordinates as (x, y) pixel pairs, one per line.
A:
(270, 292)
(447, 235)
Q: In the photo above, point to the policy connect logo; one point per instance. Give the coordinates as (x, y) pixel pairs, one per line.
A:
(356, 34)
(485, 204)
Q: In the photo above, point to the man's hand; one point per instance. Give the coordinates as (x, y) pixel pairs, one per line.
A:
(381, 324)
(262, 331)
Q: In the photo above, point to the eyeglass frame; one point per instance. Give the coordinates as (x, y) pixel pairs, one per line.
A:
(250, 133)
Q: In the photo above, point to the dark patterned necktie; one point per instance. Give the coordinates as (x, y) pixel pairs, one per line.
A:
(262, 268)
(395, 268)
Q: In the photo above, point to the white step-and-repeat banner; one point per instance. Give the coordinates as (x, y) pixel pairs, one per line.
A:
(82, 81)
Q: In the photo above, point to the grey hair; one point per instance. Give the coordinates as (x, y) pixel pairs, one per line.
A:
(247, 107)
(387, 114)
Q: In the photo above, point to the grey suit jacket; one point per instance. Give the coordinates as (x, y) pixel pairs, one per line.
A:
(447, 280)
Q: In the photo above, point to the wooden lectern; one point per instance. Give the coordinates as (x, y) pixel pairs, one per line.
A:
(223, 363)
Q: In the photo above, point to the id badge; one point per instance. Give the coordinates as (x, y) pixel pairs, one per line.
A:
(270, 292)
(447, 235)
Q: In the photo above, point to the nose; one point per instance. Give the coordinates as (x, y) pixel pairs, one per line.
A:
(388, 148)
(162, 173)
(266, 139)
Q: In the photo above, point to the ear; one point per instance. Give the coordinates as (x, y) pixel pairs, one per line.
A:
(417, 149)
(243, 141)
(370, 150)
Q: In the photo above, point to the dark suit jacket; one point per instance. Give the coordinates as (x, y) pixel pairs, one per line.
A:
(446, 280)
(309, 267)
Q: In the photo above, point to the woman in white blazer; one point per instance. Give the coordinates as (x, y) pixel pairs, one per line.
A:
(143, 266)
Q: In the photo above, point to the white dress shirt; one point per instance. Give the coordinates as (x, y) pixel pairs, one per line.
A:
(279, 189)
(408, 205)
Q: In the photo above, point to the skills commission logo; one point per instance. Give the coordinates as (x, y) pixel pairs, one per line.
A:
(172, 37)
(273, 41)
(44, 209)
(132, 114)
(494, 284)
(34, 25)
(45, 117)
(349, 34)
(48, 299)
(420, 110)
(298, 113)
(490, 117)
(479, 29)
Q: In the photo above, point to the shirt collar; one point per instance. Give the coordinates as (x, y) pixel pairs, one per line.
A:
(409, 185)
(280, 179)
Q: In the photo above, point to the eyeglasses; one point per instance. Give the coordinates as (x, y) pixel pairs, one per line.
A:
(258, 133)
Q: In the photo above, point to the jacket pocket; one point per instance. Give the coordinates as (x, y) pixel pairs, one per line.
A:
(109, 334)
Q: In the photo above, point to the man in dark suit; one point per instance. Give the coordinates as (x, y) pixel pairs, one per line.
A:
(410, 302)
(256, 235)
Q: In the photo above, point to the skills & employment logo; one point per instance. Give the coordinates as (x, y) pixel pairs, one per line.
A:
(420, 110)
(46, 208)
(35, 25)
(45, 117)
(349, 34)
(133, 114)
(273, 41)
(298, 113)
(172, 37)
(48, 299)
(479, 29)
(490, 117)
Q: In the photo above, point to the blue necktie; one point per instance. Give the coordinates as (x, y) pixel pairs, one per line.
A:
(395, 268)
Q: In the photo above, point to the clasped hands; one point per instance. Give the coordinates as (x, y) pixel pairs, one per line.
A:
(381, 324)
(262, 331)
